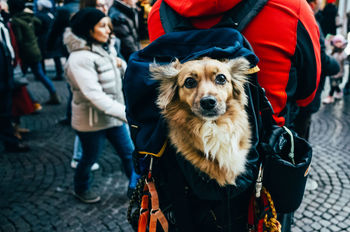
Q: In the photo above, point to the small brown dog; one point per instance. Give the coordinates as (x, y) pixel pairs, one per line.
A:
(204, 102)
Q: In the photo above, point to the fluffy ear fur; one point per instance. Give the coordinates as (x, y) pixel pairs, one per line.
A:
(167, 75)
(239, 68)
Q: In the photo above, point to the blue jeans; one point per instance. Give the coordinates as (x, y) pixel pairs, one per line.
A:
(69, 104)
(37, 70)
(78, 150)
(93, 144)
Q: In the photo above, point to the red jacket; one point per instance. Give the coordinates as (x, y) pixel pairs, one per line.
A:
(285, 37)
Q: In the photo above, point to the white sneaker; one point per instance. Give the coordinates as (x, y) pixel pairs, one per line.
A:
(311, 184)
(328, 99)
(74, 164)
(338, 95)
(94, 167)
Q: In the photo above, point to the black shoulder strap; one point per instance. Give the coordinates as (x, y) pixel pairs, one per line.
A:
(238, 17)
(171, 20)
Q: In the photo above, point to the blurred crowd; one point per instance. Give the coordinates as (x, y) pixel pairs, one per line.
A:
(336, 43)
(72, 33)
(32, 33)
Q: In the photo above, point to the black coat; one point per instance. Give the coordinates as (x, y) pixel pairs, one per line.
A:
(26, 28)
(330, 66)
(328, 22)
(6, 76)
(6, 70)
(47, 19)
(125, 27)
(55, 40)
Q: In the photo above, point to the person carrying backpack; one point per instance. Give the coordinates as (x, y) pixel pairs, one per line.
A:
(290, 67)
(288, 82)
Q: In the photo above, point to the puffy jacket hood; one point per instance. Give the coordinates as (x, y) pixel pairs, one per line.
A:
(73, 42)
(195, 8)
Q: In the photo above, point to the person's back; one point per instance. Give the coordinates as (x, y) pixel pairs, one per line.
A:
(63, 14)
(329, 15)
(288, 82)
(285, 37)
(46, 18)
(26, 27)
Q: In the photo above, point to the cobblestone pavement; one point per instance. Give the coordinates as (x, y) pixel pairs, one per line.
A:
(35, 187)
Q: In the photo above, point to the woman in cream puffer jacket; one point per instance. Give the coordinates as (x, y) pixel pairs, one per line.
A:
(96, 83)
(98, 112)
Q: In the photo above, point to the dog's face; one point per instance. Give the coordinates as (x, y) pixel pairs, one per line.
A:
(205, 85)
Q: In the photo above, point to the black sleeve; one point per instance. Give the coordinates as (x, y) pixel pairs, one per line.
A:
(60, 23)
(303, 76)
(330, 65)
(124, 31)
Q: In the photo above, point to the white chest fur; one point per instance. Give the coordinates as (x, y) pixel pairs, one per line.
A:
(222, 143)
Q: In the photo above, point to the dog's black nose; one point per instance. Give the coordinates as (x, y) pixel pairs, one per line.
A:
(208, 102)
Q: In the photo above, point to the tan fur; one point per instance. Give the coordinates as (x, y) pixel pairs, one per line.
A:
(217, 140)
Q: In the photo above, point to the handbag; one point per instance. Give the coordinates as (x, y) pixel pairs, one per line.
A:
(286, 161)
(22, 104)
(286, 167)
(281, 180)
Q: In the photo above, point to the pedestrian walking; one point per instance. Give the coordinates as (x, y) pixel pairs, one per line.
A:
(7, 85)
(98, 112)
(26, 27)
(125, 19)
(330, 18)
(339, 43)
(346, 90)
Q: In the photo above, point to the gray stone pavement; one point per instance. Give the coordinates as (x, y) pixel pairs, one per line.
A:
(35, 187)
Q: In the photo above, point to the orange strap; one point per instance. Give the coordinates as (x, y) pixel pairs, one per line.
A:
(144, 211)
(143, 221)
(156, 213)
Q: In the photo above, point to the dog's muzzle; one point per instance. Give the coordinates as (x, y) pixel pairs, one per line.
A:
(209, 107)
(208, 103)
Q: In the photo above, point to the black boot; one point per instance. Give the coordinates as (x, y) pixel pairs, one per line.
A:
(54, 100)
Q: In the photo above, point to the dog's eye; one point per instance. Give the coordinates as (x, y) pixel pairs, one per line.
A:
(190, 83)
(220, 79)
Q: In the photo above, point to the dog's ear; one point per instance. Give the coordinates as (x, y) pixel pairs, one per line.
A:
(239, 68)
(167, 75)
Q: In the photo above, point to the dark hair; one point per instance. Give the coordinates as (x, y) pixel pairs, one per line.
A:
(87, 3)
(16, 6)
(84, 21)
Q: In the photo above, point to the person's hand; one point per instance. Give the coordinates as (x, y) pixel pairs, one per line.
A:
(119, 62)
